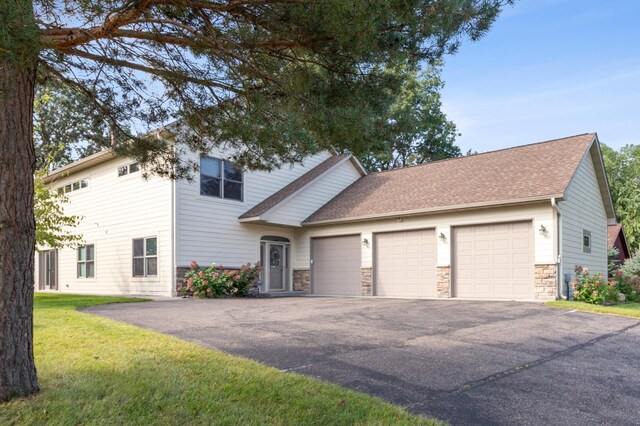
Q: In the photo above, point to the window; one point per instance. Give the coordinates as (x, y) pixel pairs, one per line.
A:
(145, 257)
(128, 169)
(586, 241)
(220, 179)
(86, 261)
(74, 186)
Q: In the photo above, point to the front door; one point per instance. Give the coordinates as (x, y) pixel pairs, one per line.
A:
(277, 266)
(48, 270)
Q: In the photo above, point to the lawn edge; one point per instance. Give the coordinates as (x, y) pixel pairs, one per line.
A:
(580, 309)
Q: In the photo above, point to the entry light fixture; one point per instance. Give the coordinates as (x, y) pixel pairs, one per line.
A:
(542, 229)
(365, 242)
(442, 237)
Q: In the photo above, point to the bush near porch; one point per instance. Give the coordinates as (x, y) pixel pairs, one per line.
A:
(216, 281)
(595, 289)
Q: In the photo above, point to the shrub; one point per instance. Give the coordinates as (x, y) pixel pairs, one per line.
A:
(631, 267)
(593, 289)
(612, 259)
(626, 284)
(216, 281)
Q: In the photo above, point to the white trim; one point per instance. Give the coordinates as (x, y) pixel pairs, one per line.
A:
(447, 209)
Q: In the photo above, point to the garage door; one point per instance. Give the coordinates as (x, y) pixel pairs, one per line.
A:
(493, 261)
(405, 264)
(336, 265)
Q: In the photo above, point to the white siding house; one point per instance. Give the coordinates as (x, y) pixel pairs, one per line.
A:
(508, 224)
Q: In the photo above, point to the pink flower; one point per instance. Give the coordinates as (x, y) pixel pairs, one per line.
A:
(216, 275)
(235, 290)
(194, 264)
(205, 282)
(201, 274)
(236, 278)
(190, 281)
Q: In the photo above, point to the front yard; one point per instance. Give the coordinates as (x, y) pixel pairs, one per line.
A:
(626, 309)
(94, 370)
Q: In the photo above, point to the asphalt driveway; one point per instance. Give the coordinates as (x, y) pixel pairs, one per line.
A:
(465, 362)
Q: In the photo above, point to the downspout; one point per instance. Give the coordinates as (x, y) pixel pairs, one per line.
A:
(559, 270)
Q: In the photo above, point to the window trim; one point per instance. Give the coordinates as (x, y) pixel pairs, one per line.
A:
(76, 185)
(222, 178)
(144, 257)
(85, 262)
(586, 238)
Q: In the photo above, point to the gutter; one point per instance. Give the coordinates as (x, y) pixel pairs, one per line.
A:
(559, 269)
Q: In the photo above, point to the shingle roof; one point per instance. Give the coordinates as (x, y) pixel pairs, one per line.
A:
(519, 173)
(280, 195)
(612, 233)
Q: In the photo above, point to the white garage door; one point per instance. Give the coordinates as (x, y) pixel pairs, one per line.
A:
(405, 264)
(336, 265)
(493, 261)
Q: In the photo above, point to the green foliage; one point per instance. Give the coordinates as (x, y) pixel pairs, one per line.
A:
(417, 131)
(273, 82)
(54, 229)
(613, 264)
(632, 266)
(593, 289)
(631, 310)
(65, 126)
(629, 285)
(215, 281)
(623, 172)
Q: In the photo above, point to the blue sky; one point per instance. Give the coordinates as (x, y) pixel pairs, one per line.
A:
(549, 69)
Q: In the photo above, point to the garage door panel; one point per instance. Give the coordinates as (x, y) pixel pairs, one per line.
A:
(405, 264)
(501, 264)
(336, 265)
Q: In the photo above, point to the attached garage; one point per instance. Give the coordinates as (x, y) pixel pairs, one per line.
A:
(494, 261)
(405, 264)
(336, 263)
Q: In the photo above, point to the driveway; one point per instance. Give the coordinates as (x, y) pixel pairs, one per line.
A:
(465, 362)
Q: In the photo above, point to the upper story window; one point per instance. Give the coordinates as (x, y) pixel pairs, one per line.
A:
(586, 241)
(74, 186)
(127, 169)
(220, 179)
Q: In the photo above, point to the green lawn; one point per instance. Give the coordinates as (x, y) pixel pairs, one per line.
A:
(626, 310)
(97, 371)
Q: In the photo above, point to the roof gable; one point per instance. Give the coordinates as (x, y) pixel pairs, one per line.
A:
(514, 175)
(294, 187)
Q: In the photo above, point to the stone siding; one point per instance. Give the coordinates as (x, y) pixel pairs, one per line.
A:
(545, 278)
(367, 281)
(302, 280)
(443, 281)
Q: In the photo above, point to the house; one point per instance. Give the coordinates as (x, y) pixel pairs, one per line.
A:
(508, 224)
(617, 240)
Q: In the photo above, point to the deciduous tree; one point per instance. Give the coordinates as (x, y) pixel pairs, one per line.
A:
(277, 80)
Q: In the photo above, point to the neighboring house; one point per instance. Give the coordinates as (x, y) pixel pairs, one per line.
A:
(618, 240)
(508, 224)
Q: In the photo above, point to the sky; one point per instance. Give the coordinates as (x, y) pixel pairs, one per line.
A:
(548, 69)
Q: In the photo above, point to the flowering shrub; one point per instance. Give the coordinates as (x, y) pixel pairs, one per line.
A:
(627, 284)
(216, 281)
(593, 289)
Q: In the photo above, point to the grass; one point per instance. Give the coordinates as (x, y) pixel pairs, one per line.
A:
(626, 310)
(94, 370)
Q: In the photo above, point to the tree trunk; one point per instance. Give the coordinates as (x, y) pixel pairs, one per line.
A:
(17, 230)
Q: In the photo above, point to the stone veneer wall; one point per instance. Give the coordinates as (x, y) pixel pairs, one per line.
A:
(302, 280)
(443, 281)
(545, 279)
(366, 278)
